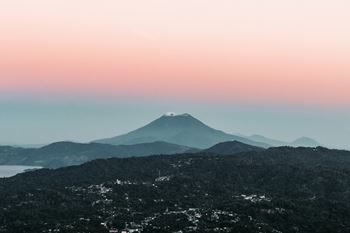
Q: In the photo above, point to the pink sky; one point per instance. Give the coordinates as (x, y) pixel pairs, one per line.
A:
(271, 51)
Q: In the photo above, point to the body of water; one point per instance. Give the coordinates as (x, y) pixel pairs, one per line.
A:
(9, 170)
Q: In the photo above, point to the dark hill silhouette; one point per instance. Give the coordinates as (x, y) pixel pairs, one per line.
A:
(231, 147)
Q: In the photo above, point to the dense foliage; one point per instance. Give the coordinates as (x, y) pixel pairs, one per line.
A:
(275, 190)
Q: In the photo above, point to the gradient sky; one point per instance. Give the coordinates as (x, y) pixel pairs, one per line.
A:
(250, 62)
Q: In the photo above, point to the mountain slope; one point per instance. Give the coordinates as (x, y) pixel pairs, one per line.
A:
(231, 148)
(178, 129)
(69, 153)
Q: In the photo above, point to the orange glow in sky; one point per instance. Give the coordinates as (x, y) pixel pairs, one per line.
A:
(271, 51)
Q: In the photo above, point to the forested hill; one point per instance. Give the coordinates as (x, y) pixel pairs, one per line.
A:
(276, 190)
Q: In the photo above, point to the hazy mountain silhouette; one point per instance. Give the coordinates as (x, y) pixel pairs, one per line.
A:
(61, 154)
(179, 129)
(306, 142)
(303, 141)
(270, 141)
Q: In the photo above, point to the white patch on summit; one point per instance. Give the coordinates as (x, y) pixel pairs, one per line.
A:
(173, 114)
(170, 114)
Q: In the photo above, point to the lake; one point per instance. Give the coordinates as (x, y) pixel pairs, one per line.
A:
(9, 170)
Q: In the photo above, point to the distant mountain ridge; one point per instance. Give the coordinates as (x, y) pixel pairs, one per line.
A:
(169, 134)
(299, 142)
(61, 154)
(181, 129)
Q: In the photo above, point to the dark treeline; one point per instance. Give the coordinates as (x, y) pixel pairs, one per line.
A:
(276, 190)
